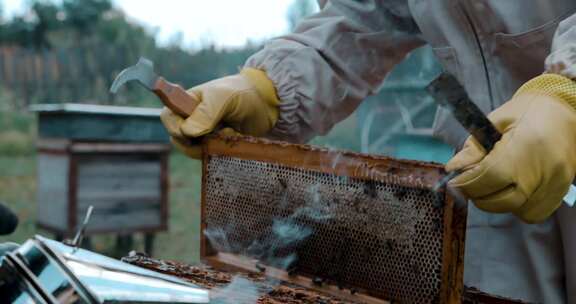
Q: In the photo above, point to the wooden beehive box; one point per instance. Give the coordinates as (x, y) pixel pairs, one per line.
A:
(114, 158)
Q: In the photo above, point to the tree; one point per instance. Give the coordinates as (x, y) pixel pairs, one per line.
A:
(83, 14)
(72, 50)
(46, 21)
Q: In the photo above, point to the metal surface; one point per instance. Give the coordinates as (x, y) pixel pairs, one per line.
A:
(143, 72)
(172, 95)
(77, 241)
(450, 94)
(54, 273)
(369, 225)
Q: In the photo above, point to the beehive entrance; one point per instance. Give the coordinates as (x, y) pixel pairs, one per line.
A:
(357, 222)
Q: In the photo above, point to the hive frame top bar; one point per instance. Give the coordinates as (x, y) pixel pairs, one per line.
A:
(410, 173)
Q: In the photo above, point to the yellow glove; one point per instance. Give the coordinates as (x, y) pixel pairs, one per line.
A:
(531, 168)
(246, 102)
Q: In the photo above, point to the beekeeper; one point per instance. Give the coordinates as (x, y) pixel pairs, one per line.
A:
(520, 243)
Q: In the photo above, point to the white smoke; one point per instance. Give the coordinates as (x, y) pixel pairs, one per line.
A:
(239, 291)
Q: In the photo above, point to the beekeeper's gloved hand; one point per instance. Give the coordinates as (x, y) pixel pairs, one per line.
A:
(531, 168)
(246, 102)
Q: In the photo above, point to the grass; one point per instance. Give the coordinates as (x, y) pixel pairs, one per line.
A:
(183, 239)
(16, 134)
(17, 188)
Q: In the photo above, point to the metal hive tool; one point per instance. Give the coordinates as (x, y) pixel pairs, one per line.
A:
(374, 230)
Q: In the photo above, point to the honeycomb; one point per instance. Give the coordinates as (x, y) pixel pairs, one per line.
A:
(373, 235)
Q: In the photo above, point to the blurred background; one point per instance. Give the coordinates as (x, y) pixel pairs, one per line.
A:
(69, 51)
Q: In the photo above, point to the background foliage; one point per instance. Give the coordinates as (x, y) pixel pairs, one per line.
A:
(70, 51)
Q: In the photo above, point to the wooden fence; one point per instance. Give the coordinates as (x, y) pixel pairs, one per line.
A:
(84, 74)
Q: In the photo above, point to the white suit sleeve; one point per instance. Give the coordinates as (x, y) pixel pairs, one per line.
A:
(333, 60)
(562, 59)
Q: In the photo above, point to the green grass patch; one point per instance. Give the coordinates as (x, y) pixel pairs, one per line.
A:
(182, 242)
(16, 121)
(15, 143)
(17, 134)
(17, 191)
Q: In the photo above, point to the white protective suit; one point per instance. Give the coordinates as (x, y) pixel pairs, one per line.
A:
(336, 58)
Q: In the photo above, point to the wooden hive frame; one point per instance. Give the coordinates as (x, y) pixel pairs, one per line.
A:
(356, 167)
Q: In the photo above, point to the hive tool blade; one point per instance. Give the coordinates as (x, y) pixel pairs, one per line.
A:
(143, 72)
(172, 95)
